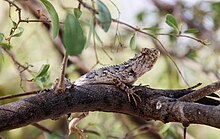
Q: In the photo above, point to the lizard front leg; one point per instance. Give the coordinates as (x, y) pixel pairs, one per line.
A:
(130, 91)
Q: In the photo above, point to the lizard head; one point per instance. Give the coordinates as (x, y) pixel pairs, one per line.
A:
(144, 61)
(151, 51)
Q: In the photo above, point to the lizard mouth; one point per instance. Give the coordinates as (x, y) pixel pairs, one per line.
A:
(155, 52)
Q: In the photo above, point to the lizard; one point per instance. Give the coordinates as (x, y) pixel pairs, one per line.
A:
(123, 75)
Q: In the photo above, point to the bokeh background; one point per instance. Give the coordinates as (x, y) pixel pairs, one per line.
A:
(197, 62)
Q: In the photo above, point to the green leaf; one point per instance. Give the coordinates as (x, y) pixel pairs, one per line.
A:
(73, 36)
(91, 30)
(54, 17)
(104, 15)
(1, 37)
(191, 54)
(20, 31)
(77, 12)
(43, 81)
(207, 42)
(140, 16)
(154, 28)
(43, 76)
(133, 41)
(14, 23)
(171, 21)
(191, 30)
(43, 70)
(216, 7)
(6, 45)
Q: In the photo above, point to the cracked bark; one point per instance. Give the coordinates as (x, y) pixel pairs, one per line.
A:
(156, 104)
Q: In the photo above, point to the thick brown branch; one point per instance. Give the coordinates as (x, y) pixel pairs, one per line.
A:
(156, 104)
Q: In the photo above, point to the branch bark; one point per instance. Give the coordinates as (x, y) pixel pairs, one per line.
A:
(156, 104)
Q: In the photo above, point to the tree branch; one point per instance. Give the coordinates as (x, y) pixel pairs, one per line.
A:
(156, 104)
(200, 93)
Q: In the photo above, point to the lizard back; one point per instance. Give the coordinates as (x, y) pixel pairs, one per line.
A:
(127, 72)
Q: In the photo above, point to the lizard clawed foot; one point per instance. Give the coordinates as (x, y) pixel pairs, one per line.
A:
(130, 91)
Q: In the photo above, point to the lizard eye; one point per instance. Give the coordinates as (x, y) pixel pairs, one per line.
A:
(90, 75)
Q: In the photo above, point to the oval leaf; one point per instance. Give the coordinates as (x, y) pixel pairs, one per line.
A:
(77, 12)
(133, 42)
(53, 15)
(91, 31)
(171, 21)
(43, 81)
(20, 31)
(43, 71)
(104, 15)
(73, 36)
(14, 23)
(42, 78)
(154, 28)
(191, 30)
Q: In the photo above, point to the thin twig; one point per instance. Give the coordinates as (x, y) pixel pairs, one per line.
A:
(184, 132)
(138, 30)
(63, 70)
(20, 95)
(94, 37)
(169, 56)
(20, 67)
(201, 93)
(20, 20)
(17, 8)
(141, 130)
(91, 132)
(185, 36)
(46, 130)
(88, 7)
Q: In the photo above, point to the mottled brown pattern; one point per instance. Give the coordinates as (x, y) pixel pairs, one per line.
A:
(123, 74)
(127, 72)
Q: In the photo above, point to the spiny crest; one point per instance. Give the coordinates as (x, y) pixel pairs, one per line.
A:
(152, 53)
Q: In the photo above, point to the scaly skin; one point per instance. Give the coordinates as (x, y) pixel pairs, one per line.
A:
(127, 72)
